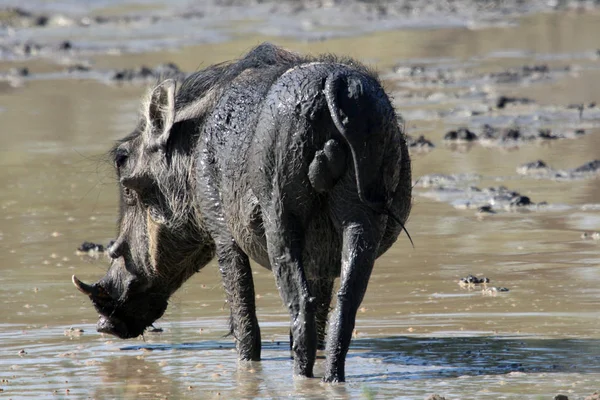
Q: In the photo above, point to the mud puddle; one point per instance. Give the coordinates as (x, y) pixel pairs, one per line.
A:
(418, 331)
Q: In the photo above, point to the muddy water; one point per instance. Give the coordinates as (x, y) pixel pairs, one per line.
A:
(418, 331)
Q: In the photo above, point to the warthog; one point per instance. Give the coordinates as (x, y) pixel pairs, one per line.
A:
(296, 162)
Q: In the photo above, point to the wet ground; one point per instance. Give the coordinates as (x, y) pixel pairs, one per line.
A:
(418, 332)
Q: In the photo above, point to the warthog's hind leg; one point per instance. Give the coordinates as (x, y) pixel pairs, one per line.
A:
(321, 290)
(284, 242)
(361, 234)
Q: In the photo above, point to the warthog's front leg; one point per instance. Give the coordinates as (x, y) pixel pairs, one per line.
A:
(233, 264)
(239, 286)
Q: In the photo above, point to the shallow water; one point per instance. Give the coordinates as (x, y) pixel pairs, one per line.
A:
(418, 332)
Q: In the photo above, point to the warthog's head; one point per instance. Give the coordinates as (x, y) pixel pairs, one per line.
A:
(160, 242)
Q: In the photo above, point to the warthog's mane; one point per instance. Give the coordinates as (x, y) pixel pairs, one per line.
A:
(199, 93)
(208, 84)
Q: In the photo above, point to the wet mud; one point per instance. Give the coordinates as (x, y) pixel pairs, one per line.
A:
(501, 107)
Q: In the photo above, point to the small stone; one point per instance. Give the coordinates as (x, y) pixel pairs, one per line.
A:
(561, 397)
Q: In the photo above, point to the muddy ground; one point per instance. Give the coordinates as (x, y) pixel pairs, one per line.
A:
(501, 102)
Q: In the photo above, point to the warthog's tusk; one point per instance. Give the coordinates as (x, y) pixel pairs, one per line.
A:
(85, 288)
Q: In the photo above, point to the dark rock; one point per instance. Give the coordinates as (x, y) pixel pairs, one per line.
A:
(520, 201)
(145, 74)
(472, 279)
(590, 167)
(66, 45)
(78, 68)
(20, 71)
(486, 209)
(87, 247)
(421, 143)
(504, 100)
(435, 397)
(561, 397)
(463, 134)
(512, 134)
(489, 132)
(547, 134)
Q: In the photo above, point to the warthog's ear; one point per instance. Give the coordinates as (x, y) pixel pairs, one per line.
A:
(160, 114)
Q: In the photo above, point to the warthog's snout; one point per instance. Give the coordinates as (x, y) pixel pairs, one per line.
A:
(114, 326)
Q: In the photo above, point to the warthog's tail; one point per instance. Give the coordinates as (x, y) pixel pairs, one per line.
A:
(348, 103)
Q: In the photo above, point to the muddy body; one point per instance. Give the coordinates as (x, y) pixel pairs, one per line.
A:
(297, 163)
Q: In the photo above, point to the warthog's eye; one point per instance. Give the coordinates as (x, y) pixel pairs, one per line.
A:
(128, 196)
(120, 158)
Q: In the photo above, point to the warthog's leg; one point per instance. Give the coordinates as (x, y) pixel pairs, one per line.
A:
(361, 235)
(322, 290)
(233, 264)
(239, 286)
(284, 243)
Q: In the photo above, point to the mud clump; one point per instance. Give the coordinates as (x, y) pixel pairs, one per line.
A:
(461, 134)
(30, 48)
(490, 200)
(419, 144)
(524, 73)
(487, 209)
(443, 180)
(435, 397)
(507, 136)
(90, 247)
(473, 280)
(503, 101)
(146, 74)
(539, 169)
(534, 167)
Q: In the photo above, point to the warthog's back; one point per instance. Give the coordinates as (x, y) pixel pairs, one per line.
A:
(269, 125)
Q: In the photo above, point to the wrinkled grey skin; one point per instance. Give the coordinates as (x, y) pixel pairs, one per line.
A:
(294, 162)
